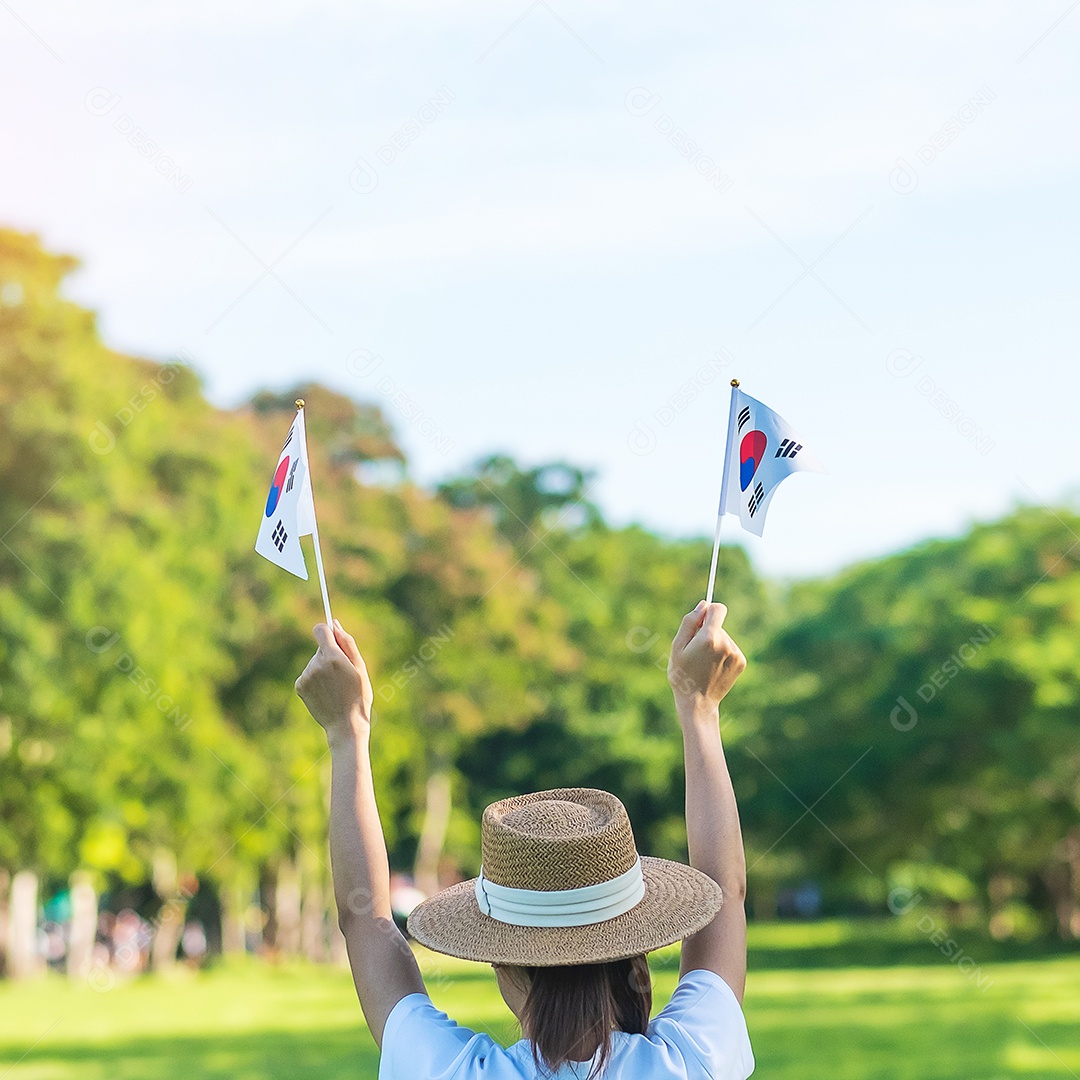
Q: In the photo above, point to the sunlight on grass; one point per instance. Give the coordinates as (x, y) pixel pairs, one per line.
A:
(796, 935)
(251, 1021)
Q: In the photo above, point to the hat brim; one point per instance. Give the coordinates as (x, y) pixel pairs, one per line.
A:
(678, 901)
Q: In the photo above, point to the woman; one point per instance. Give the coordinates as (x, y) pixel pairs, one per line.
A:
(564, 909)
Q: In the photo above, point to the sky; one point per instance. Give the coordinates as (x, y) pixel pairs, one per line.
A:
(558, 230)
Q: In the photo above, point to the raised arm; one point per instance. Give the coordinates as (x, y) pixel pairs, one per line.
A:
(337, 691)
(704, 665)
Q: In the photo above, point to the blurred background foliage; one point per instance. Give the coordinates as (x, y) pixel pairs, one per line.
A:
(907, 727)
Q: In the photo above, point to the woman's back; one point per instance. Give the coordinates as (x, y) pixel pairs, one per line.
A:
(700, 1033)
(564, 908)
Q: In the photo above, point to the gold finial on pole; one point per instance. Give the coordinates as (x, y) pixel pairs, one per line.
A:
(734, 382)
(299, 402)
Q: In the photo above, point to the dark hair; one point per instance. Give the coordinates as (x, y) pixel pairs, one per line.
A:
(570, 1012)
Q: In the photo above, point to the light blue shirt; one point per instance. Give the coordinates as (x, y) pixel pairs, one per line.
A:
(700, 1035)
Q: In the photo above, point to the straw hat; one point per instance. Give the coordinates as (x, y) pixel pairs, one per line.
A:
(562, 883)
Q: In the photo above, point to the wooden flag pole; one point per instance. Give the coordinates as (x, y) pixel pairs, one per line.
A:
(723, 494)
(315, 534)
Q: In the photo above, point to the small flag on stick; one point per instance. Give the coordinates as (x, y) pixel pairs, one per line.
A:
(290, 509)
(762, 450)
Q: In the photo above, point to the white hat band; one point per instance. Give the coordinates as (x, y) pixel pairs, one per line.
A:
(561, 907)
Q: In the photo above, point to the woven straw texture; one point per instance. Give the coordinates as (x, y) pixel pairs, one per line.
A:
(560, 839)
(565, 839)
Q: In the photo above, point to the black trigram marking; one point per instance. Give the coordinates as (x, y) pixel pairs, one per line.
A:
(788, 448)
(288, 439)
(279, 536)
(755, 499)
(292, 476)
(744, 418)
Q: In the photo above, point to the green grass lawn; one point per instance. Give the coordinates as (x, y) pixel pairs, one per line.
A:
(829, 1001)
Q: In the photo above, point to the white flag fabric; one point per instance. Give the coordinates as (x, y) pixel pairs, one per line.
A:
(762, 450)
(290, 507)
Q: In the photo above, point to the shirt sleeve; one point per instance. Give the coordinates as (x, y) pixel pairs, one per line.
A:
(705, 1023)
(422, 1043)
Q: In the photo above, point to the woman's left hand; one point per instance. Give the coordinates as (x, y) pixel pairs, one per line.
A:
(335, 685)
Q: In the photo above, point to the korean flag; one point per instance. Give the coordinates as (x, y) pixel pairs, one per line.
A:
(290, 507)
(762, 450)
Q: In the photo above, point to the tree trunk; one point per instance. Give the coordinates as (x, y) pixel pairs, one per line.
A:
(312, 921)
(24, 959)
(5, 883)
(999, 891)
(268, 903)
(1064, 886)
(169, 924)
(287, 908)
(84, 915)
(433, 834)
(234, 903)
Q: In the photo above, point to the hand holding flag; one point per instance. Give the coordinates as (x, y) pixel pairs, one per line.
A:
(335, 685)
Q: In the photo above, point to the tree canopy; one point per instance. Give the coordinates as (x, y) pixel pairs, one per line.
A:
(907, 723)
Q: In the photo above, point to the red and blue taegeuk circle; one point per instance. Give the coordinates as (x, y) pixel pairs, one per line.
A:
(751, 454)
(279, 483)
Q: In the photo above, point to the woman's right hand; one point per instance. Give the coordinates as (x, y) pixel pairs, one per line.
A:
(705, 661)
